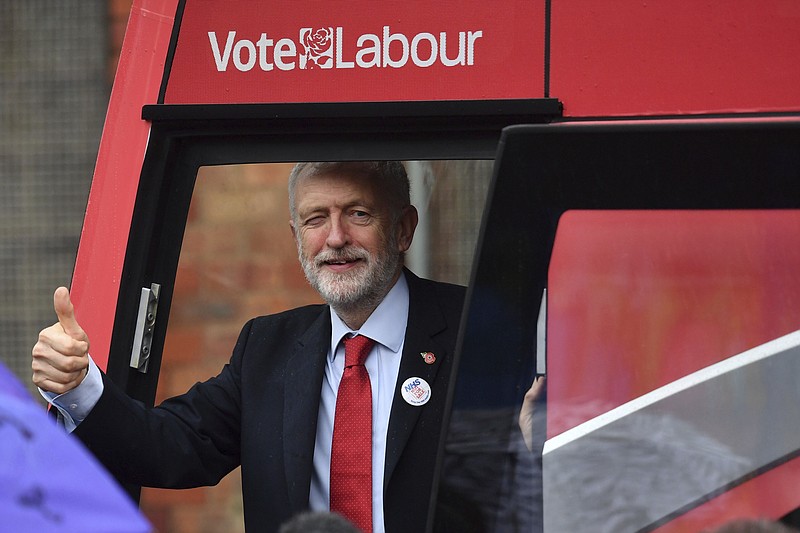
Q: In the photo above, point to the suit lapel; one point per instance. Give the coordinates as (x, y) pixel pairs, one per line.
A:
(303, 382)
(425, 320)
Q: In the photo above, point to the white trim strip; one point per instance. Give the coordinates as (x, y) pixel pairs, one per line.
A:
(691, 380)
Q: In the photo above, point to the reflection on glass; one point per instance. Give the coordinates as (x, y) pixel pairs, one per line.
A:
(666, 386)
(659, 294)
(639, 301)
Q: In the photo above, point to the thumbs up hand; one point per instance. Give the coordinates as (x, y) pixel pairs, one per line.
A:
(60, 357)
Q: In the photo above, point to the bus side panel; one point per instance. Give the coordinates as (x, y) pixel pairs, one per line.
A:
(104, 238)
(669, 58)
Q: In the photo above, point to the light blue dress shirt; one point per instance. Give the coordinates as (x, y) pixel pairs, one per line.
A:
(76, 404)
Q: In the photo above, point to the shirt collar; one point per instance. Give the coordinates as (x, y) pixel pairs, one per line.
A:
(386, 325)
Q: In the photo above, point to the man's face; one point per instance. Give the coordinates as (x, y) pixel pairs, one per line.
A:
(349, 247)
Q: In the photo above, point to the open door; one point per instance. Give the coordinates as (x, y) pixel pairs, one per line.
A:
(668, 251)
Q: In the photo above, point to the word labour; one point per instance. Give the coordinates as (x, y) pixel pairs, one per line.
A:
(327, 48)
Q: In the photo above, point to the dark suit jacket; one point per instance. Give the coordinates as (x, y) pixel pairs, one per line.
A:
(261, 412)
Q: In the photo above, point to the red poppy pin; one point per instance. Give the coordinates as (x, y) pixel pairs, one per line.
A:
(428, 357)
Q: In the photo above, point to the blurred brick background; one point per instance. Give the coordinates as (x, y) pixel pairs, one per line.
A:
(237, 261)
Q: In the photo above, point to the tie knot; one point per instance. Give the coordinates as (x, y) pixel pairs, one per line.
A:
(356, 350)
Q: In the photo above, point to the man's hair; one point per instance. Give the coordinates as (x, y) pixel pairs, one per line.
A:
(390, 175)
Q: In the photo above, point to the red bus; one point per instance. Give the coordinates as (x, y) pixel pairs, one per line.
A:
(635, 240)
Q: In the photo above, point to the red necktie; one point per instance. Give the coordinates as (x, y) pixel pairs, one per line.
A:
(351, 452)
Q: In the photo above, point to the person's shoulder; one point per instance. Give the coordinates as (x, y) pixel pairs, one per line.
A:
(440, 289)
(301, 317)
(448, 289)
(279, 331)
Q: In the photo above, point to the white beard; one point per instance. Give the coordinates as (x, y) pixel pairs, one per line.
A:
(361, 287)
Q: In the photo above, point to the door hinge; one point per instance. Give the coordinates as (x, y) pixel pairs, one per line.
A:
(145, 322)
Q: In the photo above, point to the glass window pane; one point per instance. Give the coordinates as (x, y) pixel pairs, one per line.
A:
(666, 384)
(238, 260)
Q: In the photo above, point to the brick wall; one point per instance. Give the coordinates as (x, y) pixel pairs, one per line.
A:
(238, 260)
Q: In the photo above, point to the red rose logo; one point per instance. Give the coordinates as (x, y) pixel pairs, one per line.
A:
(319, 47)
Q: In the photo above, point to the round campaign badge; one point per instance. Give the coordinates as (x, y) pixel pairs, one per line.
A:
(416, 391)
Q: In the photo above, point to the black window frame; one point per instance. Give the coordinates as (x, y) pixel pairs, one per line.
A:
(184, 138)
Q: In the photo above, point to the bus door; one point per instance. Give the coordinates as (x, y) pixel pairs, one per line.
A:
(650, 271)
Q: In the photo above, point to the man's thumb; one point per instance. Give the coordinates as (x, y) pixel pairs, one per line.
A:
(66, 314)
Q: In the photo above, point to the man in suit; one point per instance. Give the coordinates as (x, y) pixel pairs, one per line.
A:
(272, 407)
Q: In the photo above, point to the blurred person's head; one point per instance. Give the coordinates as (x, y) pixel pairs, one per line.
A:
(317, 522)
